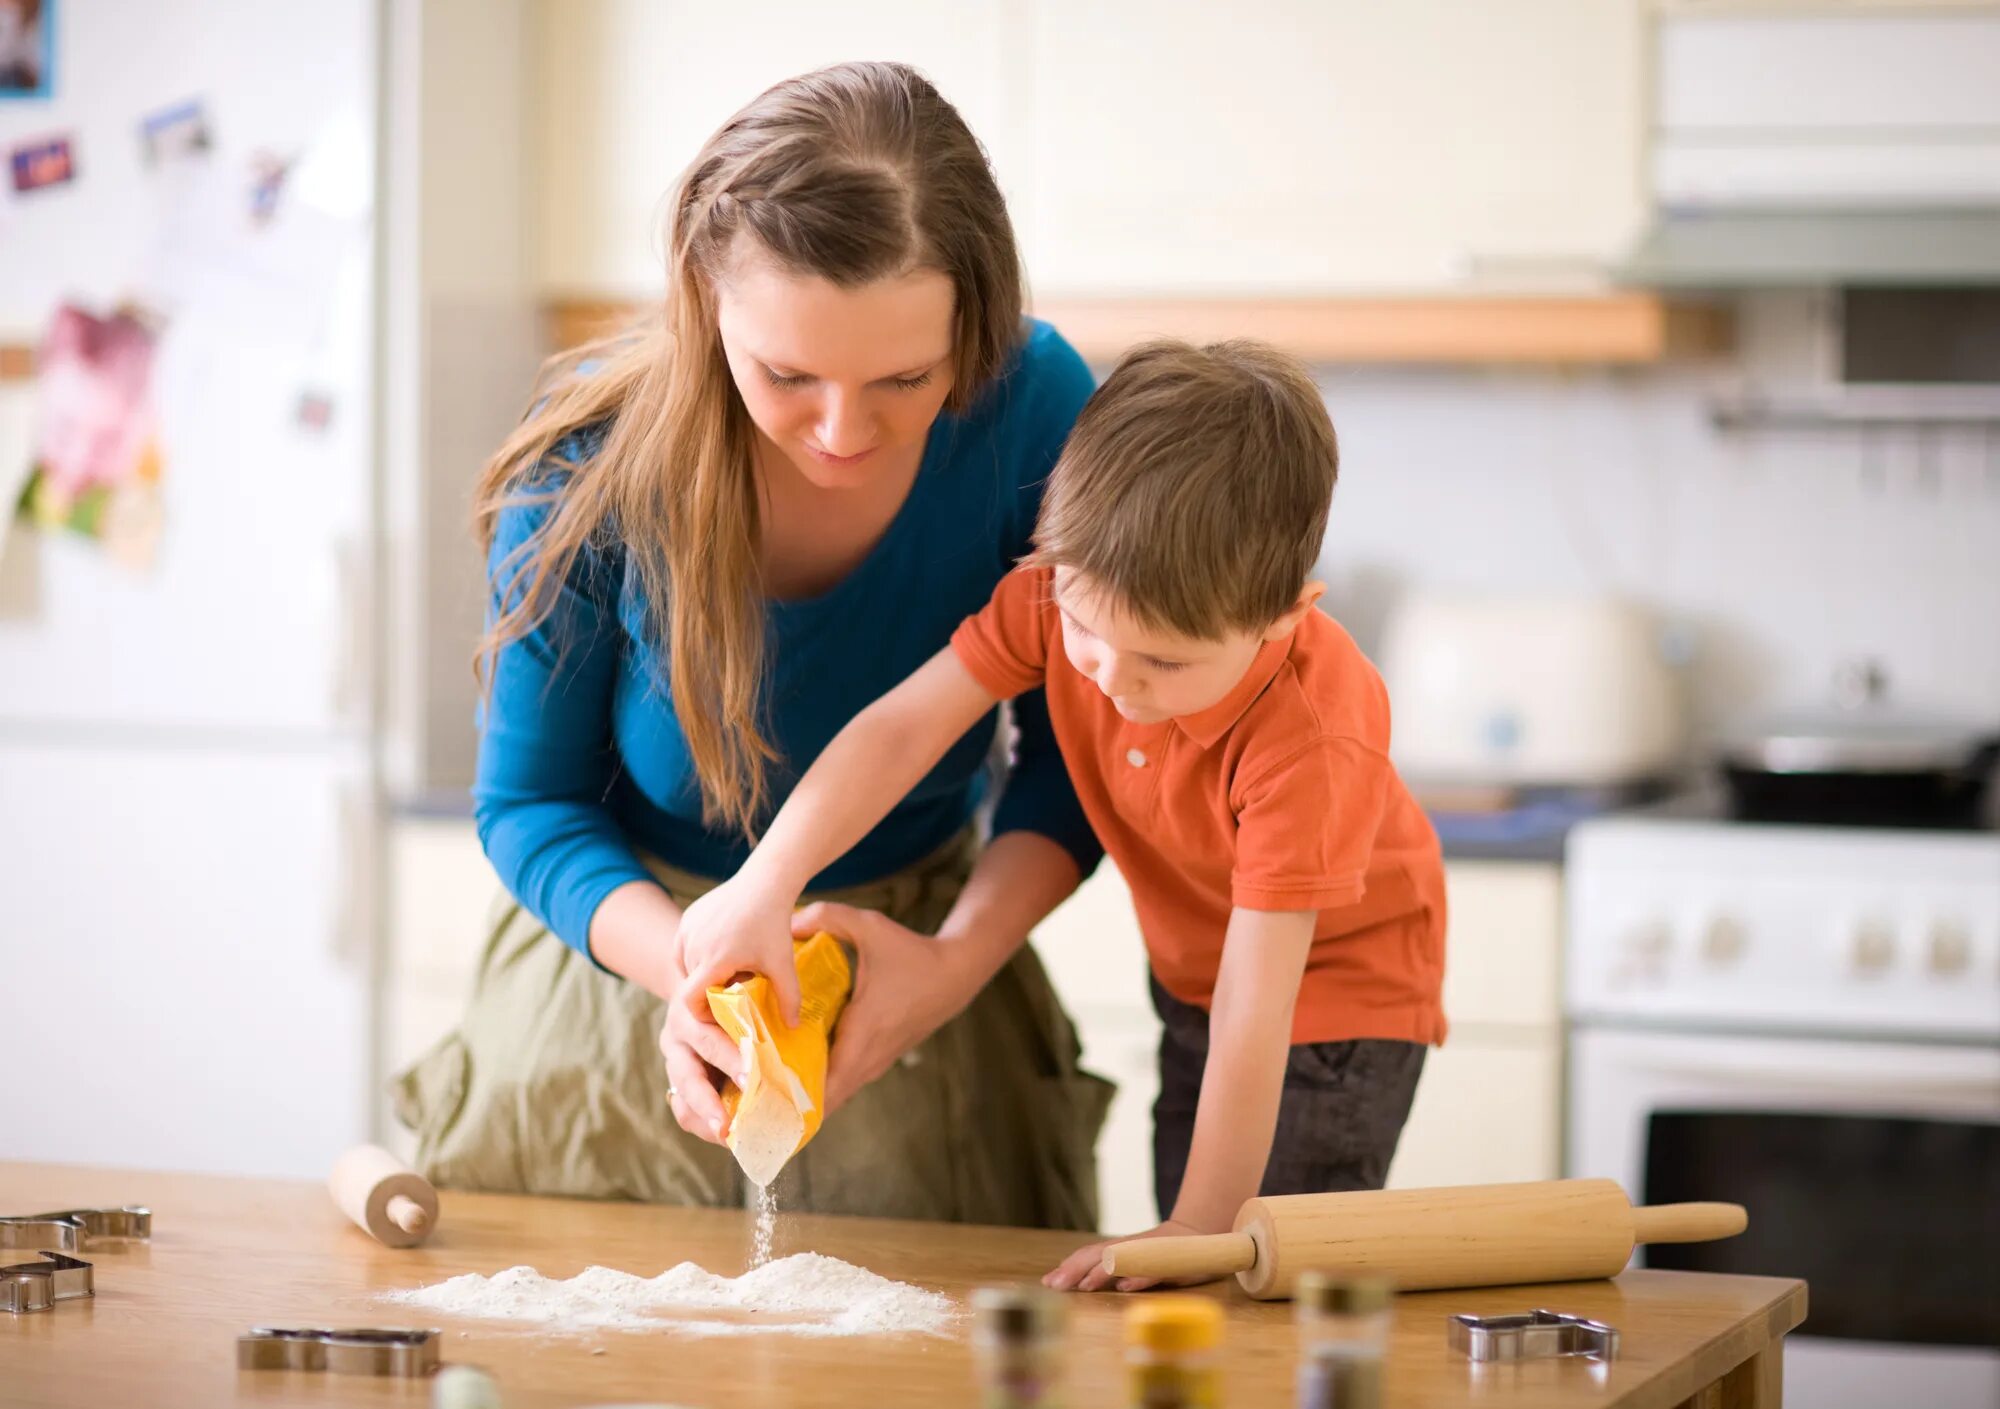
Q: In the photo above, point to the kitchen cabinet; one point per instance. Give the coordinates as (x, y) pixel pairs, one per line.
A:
(1489, 1106)
(1153, 147)
(1426, 182)
(628, 90)
(1181, 147)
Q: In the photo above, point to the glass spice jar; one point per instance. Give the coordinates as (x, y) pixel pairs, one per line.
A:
(1173, 1357)
(1017, 1339)
(1343, 1331)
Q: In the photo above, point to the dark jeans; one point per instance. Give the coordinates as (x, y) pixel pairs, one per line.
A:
(1341, 1113)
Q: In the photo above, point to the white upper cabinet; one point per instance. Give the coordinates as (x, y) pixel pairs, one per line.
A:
(1153, 147)
(1820, 106)
(630, 89)
(1281, 147)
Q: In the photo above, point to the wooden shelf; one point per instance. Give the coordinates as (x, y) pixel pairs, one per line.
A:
(1441, 331)
(17, 362)
(571, 321)
(1458, 330)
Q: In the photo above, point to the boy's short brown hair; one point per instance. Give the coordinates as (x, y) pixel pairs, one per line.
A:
(1195, 487)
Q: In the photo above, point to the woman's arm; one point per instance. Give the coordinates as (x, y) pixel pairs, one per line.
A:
(633, 933)
(546, 763)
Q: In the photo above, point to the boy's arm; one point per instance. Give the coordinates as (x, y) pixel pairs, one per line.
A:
(1249, 1039)
(882, 753)
(871, 764)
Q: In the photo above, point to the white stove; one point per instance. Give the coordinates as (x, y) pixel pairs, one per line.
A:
(1767, 928)
(1805, 1020)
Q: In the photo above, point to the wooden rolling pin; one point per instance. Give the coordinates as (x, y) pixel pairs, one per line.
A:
(1479, 1235)
(387, 1200)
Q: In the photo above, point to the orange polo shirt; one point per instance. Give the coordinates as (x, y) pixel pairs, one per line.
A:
(1278, 797)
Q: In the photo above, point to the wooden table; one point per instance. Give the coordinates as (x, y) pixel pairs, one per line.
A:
(228, 1254)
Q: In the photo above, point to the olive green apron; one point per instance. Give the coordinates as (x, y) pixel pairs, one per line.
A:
(554, 1084)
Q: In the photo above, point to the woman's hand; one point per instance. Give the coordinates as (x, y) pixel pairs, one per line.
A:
(635, 934)
(699, 1055)
(906, 989)
(1083, 1270)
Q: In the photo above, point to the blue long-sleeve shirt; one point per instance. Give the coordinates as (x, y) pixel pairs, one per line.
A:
(581, 758)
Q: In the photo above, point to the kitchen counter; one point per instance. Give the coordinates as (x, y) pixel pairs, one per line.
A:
(229, 1254)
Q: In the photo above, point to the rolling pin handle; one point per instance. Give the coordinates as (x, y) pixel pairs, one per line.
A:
(1211, 1256)
(406, 1213)
(1688, 1223)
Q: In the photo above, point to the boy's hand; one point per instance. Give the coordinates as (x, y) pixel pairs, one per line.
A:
(742, 926)
(1083, 1270)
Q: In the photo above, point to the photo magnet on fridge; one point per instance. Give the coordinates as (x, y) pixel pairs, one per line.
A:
(175, 134)
(51, 161)
(27, 49)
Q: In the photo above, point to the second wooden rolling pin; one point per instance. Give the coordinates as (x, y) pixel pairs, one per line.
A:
(384, 1197)
(1477, 1235)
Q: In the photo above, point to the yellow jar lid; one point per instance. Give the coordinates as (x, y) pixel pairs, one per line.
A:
(1174, 1323)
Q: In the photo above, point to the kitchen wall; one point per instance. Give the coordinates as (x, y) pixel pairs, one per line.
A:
(1771, 555)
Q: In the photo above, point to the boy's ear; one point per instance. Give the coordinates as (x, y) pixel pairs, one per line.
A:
(1285, 625)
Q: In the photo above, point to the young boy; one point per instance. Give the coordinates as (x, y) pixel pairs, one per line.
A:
(1230, 746)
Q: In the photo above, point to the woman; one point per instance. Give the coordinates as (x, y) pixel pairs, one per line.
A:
(711, 543)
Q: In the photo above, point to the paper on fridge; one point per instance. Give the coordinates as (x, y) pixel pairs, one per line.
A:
(231, 254)
(96, 458)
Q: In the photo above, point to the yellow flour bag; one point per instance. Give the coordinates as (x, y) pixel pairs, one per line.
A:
(780, 1104)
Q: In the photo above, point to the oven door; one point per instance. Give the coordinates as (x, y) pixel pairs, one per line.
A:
(1870, 1169)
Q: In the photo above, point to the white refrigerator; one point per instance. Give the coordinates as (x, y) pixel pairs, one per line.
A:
(188, 755)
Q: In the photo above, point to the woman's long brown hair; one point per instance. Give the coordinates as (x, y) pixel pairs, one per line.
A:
(852, 173)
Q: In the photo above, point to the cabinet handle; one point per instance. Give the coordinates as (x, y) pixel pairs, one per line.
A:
(351, 913)
(353, 608)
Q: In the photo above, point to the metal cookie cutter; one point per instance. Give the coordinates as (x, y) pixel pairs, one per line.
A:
(130, 1223)
(1533, 1336)
(74, 1229)
(37, 1286)
(364, 1351)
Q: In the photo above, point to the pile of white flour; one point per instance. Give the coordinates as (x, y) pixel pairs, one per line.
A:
(803, 1295)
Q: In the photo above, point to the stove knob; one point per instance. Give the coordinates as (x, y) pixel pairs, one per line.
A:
(1650, 942)
(1874, 947)
(1723, 942)
(1644, 954)
(1951, 948)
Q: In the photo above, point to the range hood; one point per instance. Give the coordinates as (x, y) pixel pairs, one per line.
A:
(1823, 145)
(1751, 247)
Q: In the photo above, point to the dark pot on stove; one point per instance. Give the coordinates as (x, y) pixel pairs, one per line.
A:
(1862, 763)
